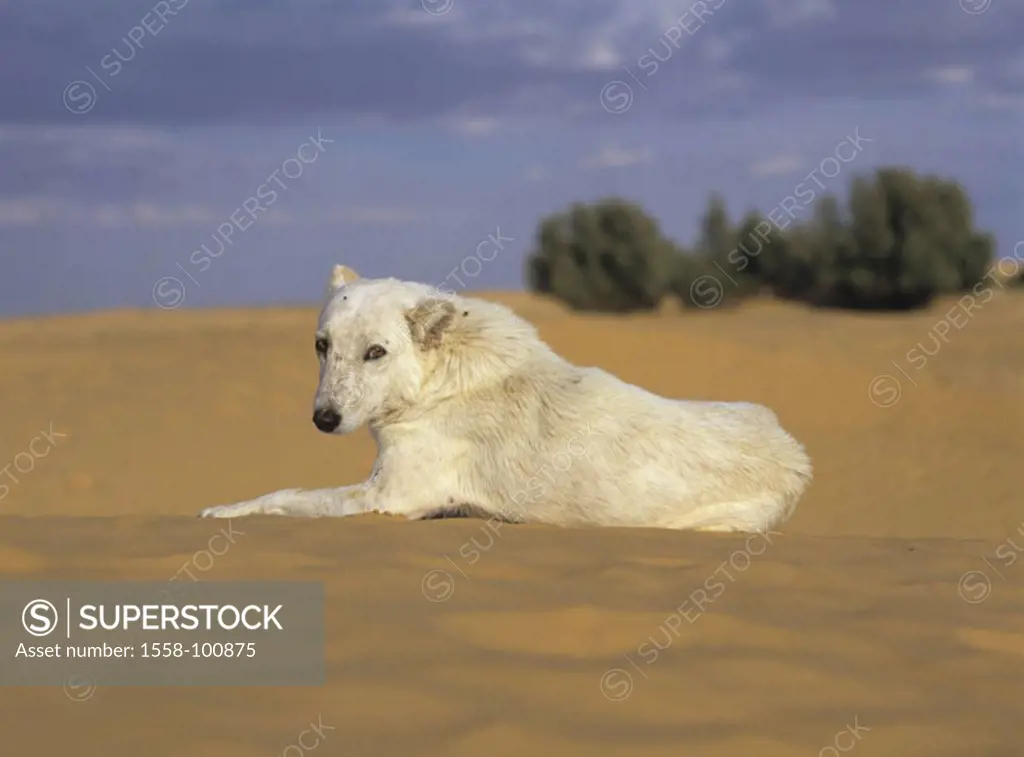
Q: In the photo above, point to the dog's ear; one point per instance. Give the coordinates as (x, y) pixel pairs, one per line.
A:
(429, 320)
(341, 276)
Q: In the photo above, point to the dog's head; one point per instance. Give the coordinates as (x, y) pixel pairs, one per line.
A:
(372, 339)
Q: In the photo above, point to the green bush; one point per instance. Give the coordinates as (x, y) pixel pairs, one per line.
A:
(901, 241)
(697, 283)
(609, 256)
(720, 270)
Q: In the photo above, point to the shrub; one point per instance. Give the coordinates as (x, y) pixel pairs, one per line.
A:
(718, 271)
(901, 241)
(608, 256)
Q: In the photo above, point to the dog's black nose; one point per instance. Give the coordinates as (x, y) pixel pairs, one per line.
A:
(326, 419)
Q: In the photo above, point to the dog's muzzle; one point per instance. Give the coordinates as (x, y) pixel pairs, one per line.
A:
(326, 419)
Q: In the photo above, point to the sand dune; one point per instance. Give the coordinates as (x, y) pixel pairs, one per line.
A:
(118, 427)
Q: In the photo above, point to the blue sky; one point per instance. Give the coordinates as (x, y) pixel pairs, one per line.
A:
(399, 135)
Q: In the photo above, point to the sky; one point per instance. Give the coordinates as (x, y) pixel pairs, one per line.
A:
(198, 153)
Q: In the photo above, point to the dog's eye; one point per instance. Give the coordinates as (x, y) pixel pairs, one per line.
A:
(321, 346)
(376, 352)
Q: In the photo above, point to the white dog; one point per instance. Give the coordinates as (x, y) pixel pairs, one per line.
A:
(473, 413)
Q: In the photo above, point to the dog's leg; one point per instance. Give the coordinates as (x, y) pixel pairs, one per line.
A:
(300, 503)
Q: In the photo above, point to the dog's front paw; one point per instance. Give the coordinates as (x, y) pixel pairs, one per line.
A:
(234, 511)
(220, 511)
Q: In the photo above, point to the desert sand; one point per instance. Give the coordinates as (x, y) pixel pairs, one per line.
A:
(886, 618)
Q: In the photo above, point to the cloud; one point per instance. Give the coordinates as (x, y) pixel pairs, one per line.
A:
(998, 101)
(537, 173)
(106, 139)
(69, 162)
(613, 157)
(54, 211)
(476, 126)
(23, 212)
(377, 216)
(222, 61)
(779, 165)
(783, 13)
(951, 75)
(51, 211)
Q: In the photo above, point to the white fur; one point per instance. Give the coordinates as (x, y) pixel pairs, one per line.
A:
(472, 412)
